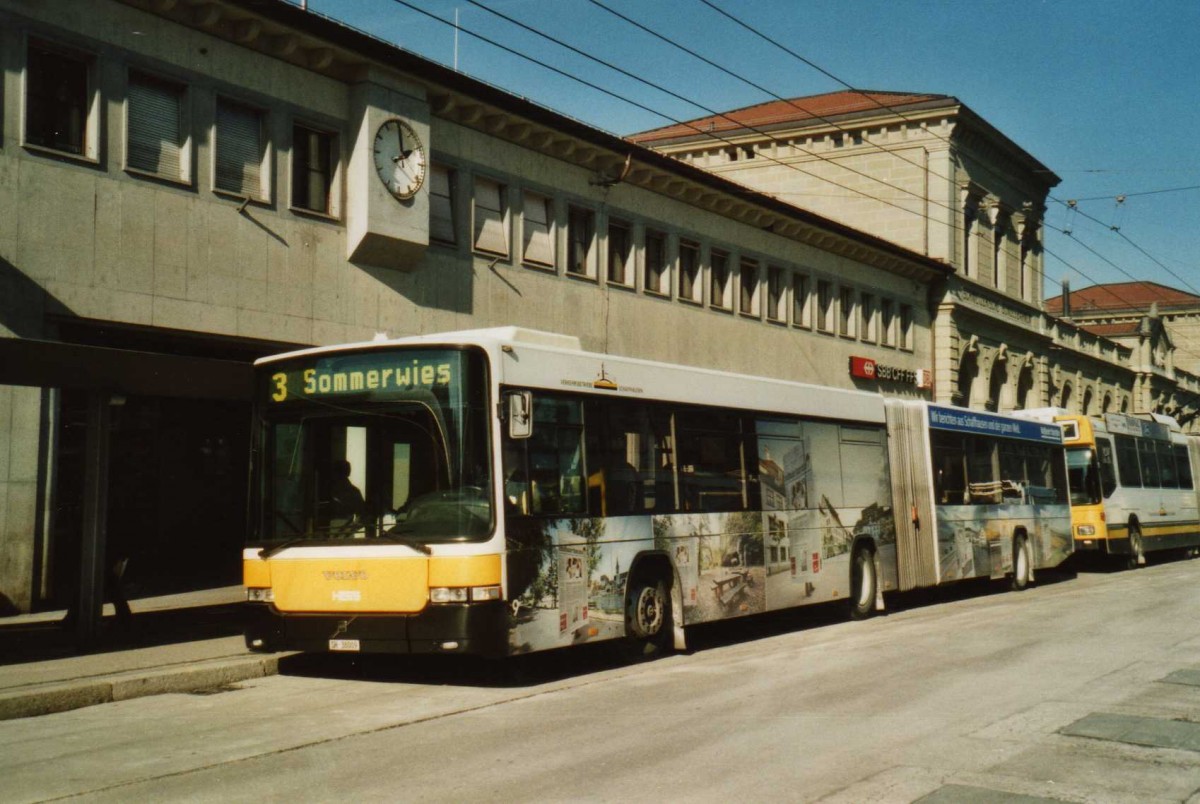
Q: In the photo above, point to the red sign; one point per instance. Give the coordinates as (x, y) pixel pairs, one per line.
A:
(862, 367)
(816, 562)
(865, 368)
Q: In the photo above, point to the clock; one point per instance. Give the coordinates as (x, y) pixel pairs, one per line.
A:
(399, 158)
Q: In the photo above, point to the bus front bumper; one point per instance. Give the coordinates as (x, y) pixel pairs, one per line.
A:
(479, 628)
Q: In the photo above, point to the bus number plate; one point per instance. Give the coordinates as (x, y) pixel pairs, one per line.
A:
(344, 644)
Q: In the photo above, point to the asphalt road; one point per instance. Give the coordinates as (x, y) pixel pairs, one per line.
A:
(1080, 689)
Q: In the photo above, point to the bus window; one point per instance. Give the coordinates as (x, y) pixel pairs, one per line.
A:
(1083, 476)
(1127, 461)
(1166, 465)
(983, 482)
(1151, 478)
(554, 460)
(949, 475)
(1108, 469)
(1184, 466)
(714, 462)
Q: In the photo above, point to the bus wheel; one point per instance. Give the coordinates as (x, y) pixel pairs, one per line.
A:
(648, 616)
(862, 583)
(1021, 564)
(1137, 556)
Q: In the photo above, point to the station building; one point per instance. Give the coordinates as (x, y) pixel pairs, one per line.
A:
(186, 185)
(928, 173)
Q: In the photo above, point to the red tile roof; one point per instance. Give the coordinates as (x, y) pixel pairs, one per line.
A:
(1117, 330)
(1123, 297)
(771, 113)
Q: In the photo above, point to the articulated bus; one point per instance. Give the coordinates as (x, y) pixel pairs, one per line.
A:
(1131, 482)
(500, 491)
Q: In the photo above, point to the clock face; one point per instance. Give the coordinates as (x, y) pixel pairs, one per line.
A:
(399, 158)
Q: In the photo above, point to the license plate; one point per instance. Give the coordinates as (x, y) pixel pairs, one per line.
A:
(344, 644)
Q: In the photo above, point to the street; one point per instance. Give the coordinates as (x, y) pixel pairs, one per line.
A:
(1082, 688)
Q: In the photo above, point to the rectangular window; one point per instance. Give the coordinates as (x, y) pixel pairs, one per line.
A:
(824, 305)
(1127, 461)
(719, 280)
(887, 322)
(491, 217)
(905, 334)
(748, 288)
(154, 128)
(775, 293)
(689, 271)
(620, 246)
(581, 232)
(441, 205)
(801, 304)
(241, 150)
(847, 314)
(313, 161)
(58, 101)
(1167, 473)
(866, 323)
(1183, 466)
(658, 274)
(538, 233)
(1151, 476)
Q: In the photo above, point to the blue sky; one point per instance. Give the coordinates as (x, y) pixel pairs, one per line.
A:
(1104, 93)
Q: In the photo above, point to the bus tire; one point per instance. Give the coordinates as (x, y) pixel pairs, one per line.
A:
(648, 624)
(1137, 555)
(863, 583)
(1022, 566)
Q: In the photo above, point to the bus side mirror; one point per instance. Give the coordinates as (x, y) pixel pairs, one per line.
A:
(520, 414)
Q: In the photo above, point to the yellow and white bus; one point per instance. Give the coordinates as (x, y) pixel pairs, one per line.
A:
(1132, 484)
(502, 491)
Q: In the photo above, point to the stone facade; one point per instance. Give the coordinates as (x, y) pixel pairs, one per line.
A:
(136, 285)
(927, 172)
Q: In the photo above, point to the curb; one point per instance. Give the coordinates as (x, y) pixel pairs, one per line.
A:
(61, 697)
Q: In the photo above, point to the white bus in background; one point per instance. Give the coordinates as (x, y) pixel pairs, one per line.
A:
(1132, 480)
(502, 491)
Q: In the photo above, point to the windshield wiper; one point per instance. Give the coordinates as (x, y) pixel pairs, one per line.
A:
(267, 552)
(395, 537)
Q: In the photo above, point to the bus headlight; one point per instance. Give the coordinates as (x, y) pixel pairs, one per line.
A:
(463, 594)
(448, 594)
(1085, 530)
(256, 594)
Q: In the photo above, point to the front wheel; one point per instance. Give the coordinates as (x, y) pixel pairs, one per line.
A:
(1021, 564)
(863, 584)
(1137, 556)
(648, 617)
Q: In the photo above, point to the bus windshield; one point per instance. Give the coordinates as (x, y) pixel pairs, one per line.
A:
(379, 444)
(1083, 476)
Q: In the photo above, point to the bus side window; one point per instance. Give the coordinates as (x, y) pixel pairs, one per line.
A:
(1127, 461)
(1184, 465)
(556, 484)
(950, 480)
(1151, 477)
(1166, 465)
(1108, 471)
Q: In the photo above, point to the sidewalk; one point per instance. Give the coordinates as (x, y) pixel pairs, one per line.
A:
(178, 643)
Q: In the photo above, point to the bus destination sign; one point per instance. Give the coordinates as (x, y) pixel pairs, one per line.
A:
(374, 375)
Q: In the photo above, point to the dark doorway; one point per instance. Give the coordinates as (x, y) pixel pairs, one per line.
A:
(176, 498)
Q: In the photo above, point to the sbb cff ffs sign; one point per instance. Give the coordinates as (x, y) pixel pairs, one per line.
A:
(864, 368)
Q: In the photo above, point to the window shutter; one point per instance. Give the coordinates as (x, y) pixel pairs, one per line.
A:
(239, 150)
(538, 245)
(489, 218)
(154, 128)
(441, 206)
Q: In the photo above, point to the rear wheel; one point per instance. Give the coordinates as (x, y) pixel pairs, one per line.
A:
(648, 616)
(863, 583)
(1021, 564)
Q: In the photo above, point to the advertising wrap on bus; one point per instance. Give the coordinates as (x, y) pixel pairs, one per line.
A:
(970, 421)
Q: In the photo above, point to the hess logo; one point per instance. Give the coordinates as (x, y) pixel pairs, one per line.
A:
(345, 575)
